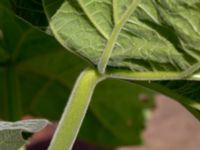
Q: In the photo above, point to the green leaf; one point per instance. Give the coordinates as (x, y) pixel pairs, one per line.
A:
(11, 132)
(132, 35)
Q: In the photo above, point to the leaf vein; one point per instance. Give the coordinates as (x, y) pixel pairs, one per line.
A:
(114, 36)
(95, 24)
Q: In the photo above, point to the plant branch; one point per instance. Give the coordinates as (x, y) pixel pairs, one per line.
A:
(75, 110)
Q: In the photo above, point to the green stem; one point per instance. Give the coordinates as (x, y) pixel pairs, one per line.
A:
(75, 110)
(14, 104)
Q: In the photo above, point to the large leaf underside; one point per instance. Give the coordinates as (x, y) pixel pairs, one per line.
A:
(156, 36)
(158, 41)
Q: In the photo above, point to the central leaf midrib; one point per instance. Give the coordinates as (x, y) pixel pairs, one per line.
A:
(114, 36)
(115, 12)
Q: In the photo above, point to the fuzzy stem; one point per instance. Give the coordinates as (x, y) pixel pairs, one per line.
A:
(75, 110)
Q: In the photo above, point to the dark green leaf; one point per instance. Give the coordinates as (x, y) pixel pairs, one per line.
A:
(51, 7)
(37, 72)
(31, 10)
(120, 108)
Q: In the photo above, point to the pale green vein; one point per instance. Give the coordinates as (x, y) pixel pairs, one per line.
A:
(148, 13)
(156, 76)
(193, 27)
(190, 71)
(115, 33)
(95, 24)
(115, 13)
(189, 52)
(152, 66)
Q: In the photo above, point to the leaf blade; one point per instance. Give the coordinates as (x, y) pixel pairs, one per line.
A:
(11, 133)
(144, 42)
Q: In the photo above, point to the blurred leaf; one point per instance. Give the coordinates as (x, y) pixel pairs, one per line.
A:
(37, 74)
(11, 133)
(31, 10)
(120, 109)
